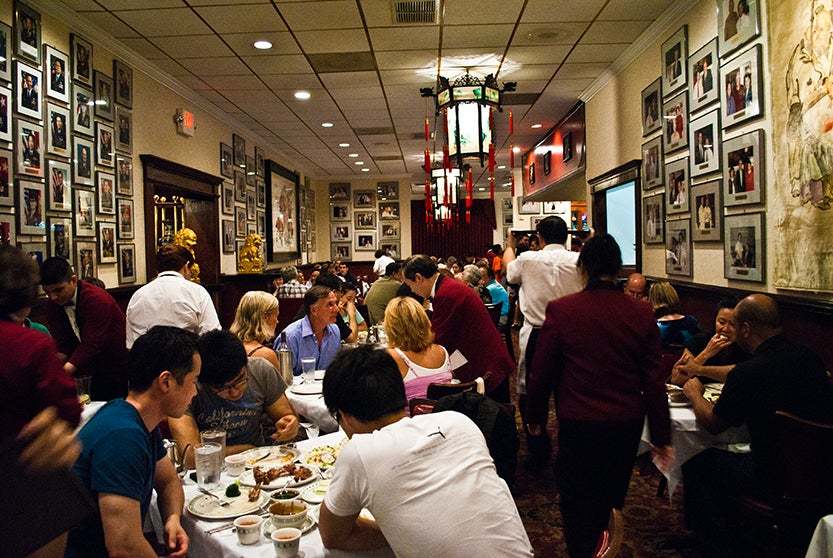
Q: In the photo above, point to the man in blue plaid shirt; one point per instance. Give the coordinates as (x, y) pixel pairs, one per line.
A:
(291, 287)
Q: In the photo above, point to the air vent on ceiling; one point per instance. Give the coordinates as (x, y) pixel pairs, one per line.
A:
(388, 158)
(373, 131)
(409, 12)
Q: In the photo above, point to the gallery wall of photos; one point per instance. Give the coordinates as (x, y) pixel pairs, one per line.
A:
(363, 220)
(701, 182)
(66, 146)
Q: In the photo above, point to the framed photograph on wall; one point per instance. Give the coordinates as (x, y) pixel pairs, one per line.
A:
(339, 212)
(123, 77)
(392, 248)
(104, 145)
(674, 61)
(365, 241)
(228, 199)
(706, 212)
(83, 161)
(6, 174)
(364, 199)
(57, 134)
(55, 68)
(239, 146)
(29, 148)
(260, 193)
(7, 229)
(103, 88)
(341, 251)
(744, 247)
(29, 87)
(651, 103)
(127, 263)
(36, 250)
(28, 32)
(547, 162)
(251, 204)
(124, 129)
(528, 208)
(340, 232)
(738, 22)
(59, 237)
(260, 168)
(675, 133)
(261, 223)
(652, 159)
(365, 220)
(387, 190)
(5, 52)
(251, 171)
(82, 59)
(742, 92)
(82, 98)
(653, 219)
(703, 70)
(531, 171)
(86, 263)
(6, 103)
(389, 210)
(124, 175)
(678, 247)
(226, 161)
(240, 221)
(228, 236)
(59, 186)
(106, 192)
(506, 205)
(106, 242)
(743, 169)
(339, 192)
(84, 208)
(704, 139)
(390, 231)
(676, 186)
(31, 208)
(124, 219)
(283, 234)
(239, 186)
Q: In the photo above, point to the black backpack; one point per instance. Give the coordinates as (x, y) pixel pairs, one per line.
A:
(495, 422)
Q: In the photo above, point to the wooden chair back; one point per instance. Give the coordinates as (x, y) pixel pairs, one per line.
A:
(418, 406)
(287, 310)
(805, 459)
(494, 312)
(438, 390)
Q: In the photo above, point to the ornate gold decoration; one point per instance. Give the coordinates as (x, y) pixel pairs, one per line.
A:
(250, 259)
(187, 238)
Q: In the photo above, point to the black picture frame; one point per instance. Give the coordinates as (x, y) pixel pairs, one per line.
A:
(123, 84)
(82, 59)
(27, 34)
(653, 219)
(103, 93)
(651, 107)
(239, 146)
(127, 263)
(226, 161)
(567, 147)
(124, 175)
(274, 172)
(82, 120)
(5, 52)
(547, 161)
(56, 74)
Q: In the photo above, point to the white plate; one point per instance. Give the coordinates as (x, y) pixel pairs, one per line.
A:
(254, 454)
(309, 522)
(680, 404)
(248, 479)
(319, 375)
(206, 507)
(311, 496)
(307, 389)
(278, 457)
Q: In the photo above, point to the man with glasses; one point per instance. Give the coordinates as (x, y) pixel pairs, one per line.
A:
(243, 396)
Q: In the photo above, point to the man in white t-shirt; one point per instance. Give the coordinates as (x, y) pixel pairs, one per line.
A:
(382, 262)
(428, 480)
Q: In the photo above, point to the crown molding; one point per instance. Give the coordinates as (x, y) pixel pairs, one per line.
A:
(102, 39)
(661, 27)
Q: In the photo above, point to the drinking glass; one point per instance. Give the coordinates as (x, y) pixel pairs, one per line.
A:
(215, 436)
(209, 464)
(308, 369)
(82, 389)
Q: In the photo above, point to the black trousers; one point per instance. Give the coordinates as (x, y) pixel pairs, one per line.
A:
(593, 469)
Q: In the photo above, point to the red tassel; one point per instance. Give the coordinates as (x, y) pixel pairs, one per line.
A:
(511, 156)
(469, 191)
(511, 123)
(429, 207)
(445, 176)
(492, 171)
(427, 164)
(427, 131)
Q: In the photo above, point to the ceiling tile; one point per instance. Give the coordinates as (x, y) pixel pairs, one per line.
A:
(192, 46)
(114, 5)
(404, 59)
(413, 38)
(111, 24)
(335, 14)
(194, 83)
(228, 66)
(285, 64)
(342, 40)
(224, 2)
(294, 82)
(634, 9)
(83, 5)
(234, 83)
(364, 105)
(531, 86)
(162, 22)
(462, 12)
(573, 71)
(336, 62)
(243, 43)
(539, 11)
(173, 68)
(219, 100)
(145, 48)
(406, 77)
(597, 53)
(358, 93)
(559, 84)
(477, 36)
(537, 34)
(349, 79)
(246, 19)
(614, 31)
(550, 54)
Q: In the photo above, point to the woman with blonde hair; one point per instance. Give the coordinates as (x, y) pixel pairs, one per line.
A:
(254, 324)
(411, 344)
(674, 328)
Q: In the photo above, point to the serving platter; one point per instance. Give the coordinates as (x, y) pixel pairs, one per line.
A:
(206, 507)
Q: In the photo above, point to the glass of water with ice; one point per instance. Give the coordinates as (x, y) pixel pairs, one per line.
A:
(209, 463)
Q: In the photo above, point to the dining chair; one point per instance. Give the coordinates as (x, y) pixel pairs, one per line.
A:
(419, 406)
(437, 390)
(494, 312)
(610, 541)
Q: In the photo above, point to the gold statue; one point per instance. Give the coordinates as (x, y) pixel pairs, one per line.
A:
(250, 259)
(187, 238)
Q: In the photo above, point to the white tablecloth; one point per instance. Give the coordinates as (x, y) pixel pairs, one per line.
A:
(225, 544)
(689, 438)
(821, 545)
(313, 408)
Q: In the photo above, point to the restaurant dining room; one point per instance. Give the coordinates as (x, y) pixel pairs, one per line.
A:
(416, 278)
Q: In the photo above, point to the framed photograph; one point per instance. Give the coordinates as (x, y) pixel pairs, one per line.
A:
(392, 250)
(339, 192)
(365, 241)
(6, 102)
(239, 145)
(528, 208)
(566, 148)
(5, 52)
(84, 201)
(742, 88)
(228, 236)
(260, 169)
(29, 148)
(365, 220)
(82, 59)
(240, 221)
(738, 22)
(6, 184)
(55, 67)
(228, 198)
(702, 74)
(547, 161)
(364, 199)
(83, 161)
(106, 192)
(123, 76)
(744, 247)
(106, 242)
(389, 210)
(674, 60)
(706, 212)
(743, 169)
(651, 102)
(82, 100)
(251, 204)
(260, 191)
(387, 190)
(239, 186)
(283, 235)
(508, 219)
(341, 252)
(124, 129)
(103, 88)
(704, 139)
(7, 229)
(86, 264)
(59, 186)
(31, 208)
(28, 32)
(532, 173)
(37, 250)
(261, 223)
(652, 160)
(653, 219)
(340, 212)
(124, 219)
(226, 160)
(59, 238)
(28, 91)
(676, 186)
(675, 111)
(124, 175)
(678, 247)
(57, 136)
(104, 145)
(127, 263)
(251, 171)
(391, 231)
(251, 228)
(340, 232)
(506, 205)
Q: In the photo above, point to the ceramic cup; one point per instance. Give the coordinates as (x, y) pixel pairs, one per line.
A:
(286, 542)
(290, 513)
(248, 528)
(235, 465)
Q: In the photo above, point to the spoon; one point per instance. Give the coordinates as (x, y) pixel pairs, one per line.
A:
(220, 500)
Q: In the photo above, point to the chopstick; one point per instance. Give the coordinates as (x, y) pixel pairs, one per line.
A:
(227, 526)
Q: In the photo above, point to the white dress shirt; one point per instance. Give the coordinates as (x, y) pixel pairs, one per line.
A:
(381, 264)
(170, 300)
(544, 276)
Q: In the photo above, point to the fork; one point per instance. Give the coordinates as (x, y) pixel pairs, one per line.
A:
(220, 500)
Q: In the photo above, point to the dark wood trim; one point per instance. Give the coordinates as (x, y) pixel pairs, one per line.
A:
(196, 182)
(633, 171)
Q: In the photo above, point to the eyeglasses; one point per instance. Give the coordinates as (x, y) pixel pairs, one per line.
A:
(236, 383)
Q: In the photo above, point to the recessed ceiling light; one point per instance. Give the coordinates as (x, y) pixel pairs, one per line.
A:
(353, 155)
(507, 183)
(326, 124)
(262, 45)
(344, 145)
(365, 170)
(302, 95)
(536, 126)
(359, 163)
(501, 167)
(516, 149)
(481, 189)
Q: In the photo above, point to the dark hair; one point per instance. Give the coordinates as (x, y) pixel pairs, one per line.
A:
(329, 280)
(161, 348)
(421, 264)
(171, 257)
(378, 253)
(350, 286)
(365, 383)
(489, 271)
(18, 280)
(222, 356)
(55, 270)
(392, 268)
(289, 273)
(729, 302)
(552, 229)
(497, 249)
(600, 257)
(314, 294)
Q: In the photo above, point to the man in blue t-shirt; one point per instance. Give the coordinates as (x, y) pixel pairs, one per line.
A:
(123, 460)
(497, 292)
